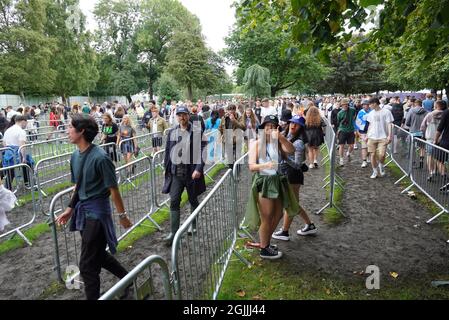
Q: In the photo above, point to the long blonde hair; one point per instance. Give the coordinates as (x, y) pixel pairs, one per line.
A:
(130, 122)
(313, 117)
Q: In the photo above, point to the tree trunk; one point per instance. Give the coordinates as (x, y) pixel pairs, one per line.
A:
(128, 97)
(274, 90)
(151, 91)
(22, 97)
(64, 100)
(190, 92)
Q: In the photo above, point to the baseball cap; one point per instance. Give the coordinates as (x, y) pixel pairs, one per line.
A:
(182, 109)
(344, 101)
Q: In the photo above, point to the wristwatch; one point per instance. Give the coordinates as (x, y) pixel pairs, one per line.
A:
(122, 215)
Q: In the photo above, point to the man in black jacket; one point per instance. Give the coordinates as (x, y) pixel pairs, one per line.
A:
(184, 168)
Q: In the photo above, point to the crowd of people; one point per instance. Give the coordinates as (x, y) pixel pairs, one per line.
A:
(282, 137)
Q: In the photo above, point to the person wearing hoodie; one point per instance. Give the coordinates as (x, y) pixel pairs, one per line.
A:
(415, 118)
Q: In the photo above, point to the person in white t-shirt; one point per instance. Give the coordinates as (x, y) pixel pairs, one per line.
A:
(267, 110)
(14, 138)
(380, 135)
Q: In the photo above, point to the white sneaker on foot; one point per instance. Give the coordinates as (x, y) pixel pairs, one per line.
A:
(342, 162)
(381, 170)
(374, 175)
(364, 164)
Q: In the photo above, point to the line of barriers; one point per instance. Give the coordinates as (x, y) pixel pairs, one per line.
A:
(333, 179)
(140, 183)
(425, 164)
(203, 246)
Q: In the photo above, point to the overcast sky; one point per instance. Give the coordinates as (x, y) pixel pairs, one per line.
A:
(216, 18)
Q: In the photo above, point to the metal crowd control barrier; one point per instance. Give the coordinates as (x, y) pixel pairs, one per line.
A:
(215, 146)
(243, 181)
(19, 217)
(200, 260)
(331, 145)
(135, 184)
(158, 169)
(145, 142)
(428, 173)
(425, 164)
(48, 149)
(400, 151)
(145, 289)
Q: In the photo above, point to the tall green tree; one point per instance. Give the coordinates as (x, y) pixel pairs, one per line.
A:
(119, 22)
(189, 62)
(160, 20)
(167, 88)
(256, 81)
(73, 59)
(288, 67)
(25, 49)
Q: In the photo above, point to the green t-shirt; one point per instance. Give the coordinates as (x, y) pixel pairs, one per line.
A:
(98, 174)
(345, 121)
(86, 109)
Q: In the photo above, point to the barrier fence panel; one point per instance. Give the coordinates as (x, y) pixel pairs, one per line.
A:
(214, 155)
(135, 183)
(429, 173)
(146, 142)
(51, 172)
(67, 244)
(146, 289)
(331, 144)
(48, 149)
(19, 217)
(158, 170)
(243, 182)
(199, 260)
(400, 150)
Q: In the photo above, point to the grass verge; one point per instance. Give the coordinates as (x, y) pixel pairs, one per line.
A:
(331, 215)
(276, 280)
(17, 242)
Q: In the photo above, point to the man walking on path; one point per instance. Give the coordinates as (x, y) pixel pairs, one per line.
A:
(346, 130)
(90, 209)
(380, 135)
(184, 168)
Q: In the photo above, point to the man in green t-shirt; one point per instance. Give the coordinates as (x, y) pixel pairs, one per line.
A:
(346, 130)
(86, 108)
(90, 209)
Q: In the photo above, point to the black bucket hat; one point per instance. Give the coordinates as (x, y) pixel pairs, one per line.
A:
(270, 119)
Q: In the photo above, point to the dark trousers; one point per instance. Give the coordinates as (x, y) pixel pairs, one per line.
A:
(94, 257)
(176, 190)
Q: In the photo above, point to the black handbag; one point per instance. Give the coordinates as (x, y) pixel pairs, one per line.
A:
(304, 168)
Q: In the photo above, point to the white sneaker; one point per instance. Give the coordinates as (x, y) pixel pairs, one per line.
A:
(381, 170)
(356, 147)
(374, 175)
(364, 164)
(311, 166)
(342, 162)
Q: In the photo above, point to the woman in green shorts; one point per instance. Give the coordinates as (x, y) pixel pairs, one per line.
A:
(270, 192)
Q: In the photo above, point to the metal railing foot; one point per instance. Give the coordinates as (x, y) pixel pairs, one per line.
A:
(435, 217)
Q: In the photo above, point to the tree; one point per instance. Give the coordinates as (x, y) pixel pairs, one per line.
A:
(409, 36)
(161, 19)
(288, 67)
(256, 81)
(25, 49)
(188, 62)
(167, 88)
(118, 23)
(73, 60)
